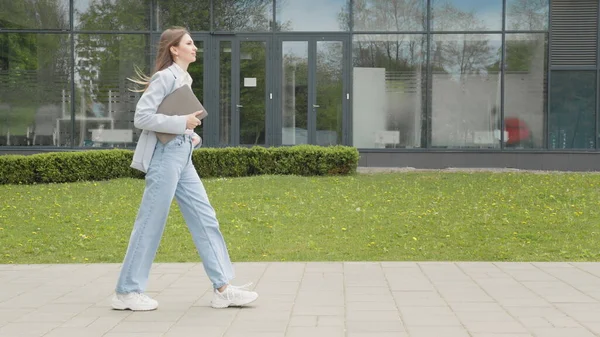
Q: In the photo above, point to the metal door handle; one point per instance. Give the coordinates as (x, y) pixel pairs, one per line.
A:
(316, 106)
(239, 106)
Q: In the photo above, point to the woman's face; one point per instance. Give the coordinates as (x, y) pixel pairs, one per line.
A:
(185, 51)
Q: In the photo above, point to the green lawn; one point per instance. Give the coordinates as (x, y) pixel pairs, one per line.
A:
(399, 217)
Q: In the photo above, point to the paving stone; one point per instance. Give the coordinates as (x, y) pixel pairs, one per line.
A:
(437, 331)
(418, 298)
(315, 332)
(305, 321)
(259, 313)
(370, 326)
(129, 334)
(324, 267)
(155, 316)
(8, 315)
(195, 331)
(490, 316)
(500, 335)
(76, 332)
(145, 327)
(79, 322)
(378, 334)
(386, 304)
(502, 327)
(429, 317)
(562, 332)
(475, 307)
(239, 333)
(318, 310)
(349, 299)
(331, 321)
(372, 316)
(27, 329)
(260, 325)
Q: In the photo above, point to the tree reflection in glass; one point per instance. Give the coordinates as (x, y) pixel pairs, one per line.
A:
(527, 14)
(252, 92)
(465, 90)
(378, 15)
(389, 90)
(112, 15)
(329, 92)
(243, 15)
(193, 15)
(295, 92)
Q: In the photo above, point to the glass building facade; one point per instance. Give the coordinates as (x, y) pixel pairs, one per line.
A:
(391, 75)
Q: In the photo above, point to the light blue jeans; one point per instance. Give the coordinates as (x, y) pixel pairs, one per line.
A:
(172, 174)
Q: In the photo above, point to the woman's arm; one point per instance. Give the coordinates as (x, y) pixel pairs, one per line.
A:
(146, 117)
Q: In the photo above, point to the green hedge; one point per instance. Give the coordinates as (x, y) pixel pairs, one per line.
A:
(60, 167)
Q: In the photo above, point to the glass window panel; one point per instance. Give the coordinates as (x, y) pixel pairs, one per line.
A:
(112, 15)
(572, 110)
(466, 15)
(225, 91)
(377, 15)
(253, 87)
(389, 85)
(194, 15)
(312, 15)
(243, 16)
(527, 14)
(35, 88)
(294, 92)
(465, 90)
(34, 14)
(105, 102)
(525, 98)
(329, 92)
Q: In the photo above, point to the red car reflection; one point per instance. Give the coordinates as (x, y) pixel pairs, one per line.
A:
(518, 132)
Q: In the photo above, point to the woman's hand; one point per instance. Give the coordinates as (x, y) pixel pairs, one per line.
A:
(196, 140)
(192, 122)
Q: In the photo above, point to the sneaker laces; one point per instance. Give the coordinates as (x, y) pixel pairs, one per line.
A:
(231, 292)
(142, 297)
(243, 287)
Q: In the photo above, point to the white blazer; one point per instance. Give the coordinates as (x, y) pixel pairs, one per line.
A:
(161, 84)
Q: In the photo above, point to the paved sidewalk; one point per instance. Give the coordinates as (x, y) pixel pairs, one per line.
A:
(352, 299)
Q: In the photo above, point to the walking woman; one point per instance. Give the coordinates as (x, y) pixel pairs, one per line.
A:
(170, 173)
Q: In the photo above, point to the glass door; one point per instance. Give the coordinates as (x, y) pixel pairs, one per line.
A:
(242, 83)
(313, 89)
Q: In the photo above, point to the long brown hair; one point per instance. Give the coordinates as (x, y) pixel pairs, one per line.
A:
(169, 38)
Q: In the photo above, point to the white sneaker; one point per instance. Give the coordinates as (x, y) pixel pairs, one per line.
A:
(233, 296)
(134, 302)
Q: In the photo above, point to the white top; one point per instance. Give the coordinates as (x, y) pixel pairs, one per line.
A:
(184, 77)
